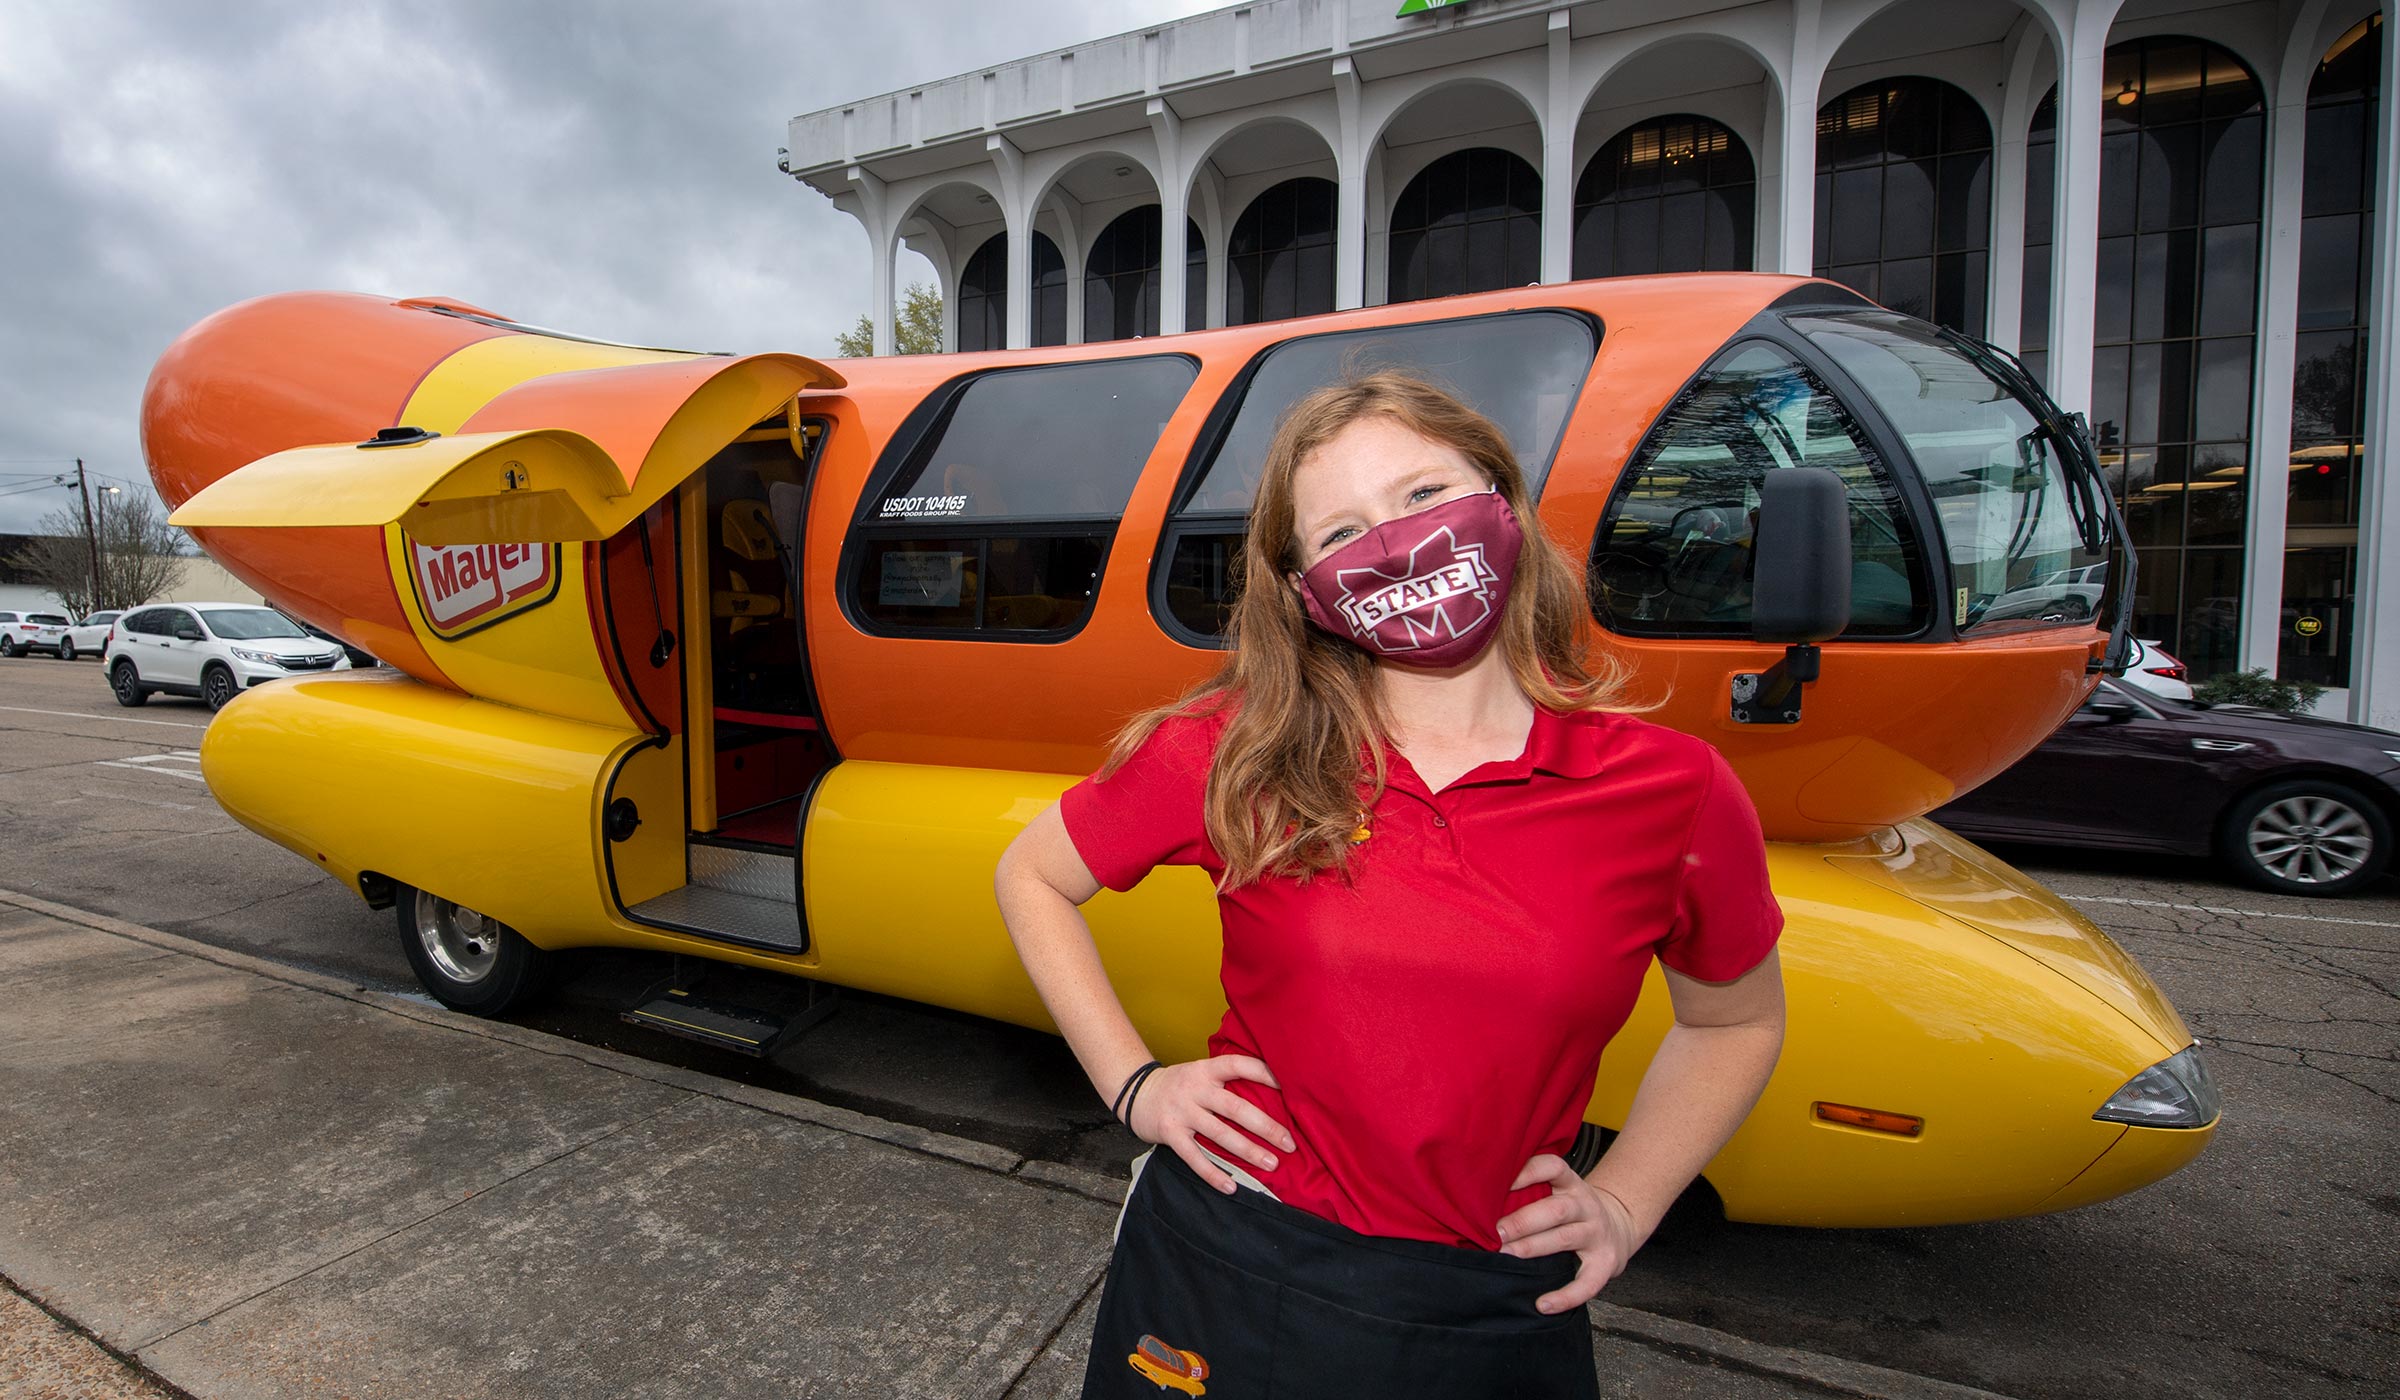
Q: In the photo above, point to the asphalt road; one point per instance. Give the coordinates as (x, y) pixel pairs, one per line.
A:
(2268, 1268)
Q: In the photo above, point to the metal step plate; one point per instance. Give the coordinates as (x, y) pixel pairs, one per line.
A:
(748, 895)
(743, 1029)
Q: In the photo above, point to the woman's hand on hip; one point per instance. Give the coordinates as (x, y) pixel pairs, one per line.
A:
(1577, 1216)
(1179, 1104)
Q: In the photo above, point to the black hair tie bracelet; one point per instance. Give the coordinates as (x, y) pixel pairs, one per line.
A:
(1122, 1109)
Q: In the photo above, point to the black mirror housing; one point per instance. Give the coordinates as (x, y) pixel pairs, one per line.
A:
(1800, 589)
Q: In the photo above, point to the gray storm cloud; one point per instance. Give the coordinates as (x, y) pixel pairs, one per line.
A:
(602, 167)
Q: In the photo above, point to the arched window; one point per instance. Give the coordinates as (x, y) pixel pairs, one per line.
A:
(2329, 377)
(2173, 324)
(1904, 198)
(1279, 257)
(1120, 278)
(1469, 222)
(1675, 194)
(983, 295)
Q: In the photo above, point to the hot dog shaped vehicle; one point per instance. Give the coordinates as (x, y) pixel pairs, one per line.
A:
(751, 659)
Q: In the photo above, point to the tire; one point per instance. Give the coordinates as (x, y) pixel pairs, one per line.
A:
(468, 962)
(2306, 836)
(8, 646)
(126, 683)
(217, 687)
(66, 649)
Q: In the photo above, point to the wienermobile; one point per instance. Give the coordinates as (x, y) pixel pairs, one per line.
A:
(760, 660)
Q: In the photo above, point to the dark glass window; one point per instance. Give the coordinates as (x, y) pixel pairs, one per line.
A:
(2329, 376)
(998, 519)
(1675, 194)
(1674, 554)
(1521, 369)
(1279, 257)
(1470, 222)
(1904, 198)
(2174, 313)
(1120, 278)
(983, 295)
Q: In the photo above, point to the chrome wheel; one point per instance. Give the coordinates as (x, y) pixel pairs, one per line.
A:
(2311, 839)
(459, 942)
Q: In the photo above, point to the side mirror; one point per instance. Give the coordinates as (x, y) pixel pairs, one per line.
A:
(188, 634)
(1800, 590)
(2111, 711)
(1799, 587)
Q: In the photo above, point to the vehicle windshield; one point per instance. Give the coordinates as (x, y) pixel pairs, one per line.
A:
(98, 618)
(2006, 501)
(250, 624)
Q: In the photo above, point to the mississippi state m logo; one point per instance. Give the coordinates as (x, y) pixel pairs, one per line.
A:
(1445, 591)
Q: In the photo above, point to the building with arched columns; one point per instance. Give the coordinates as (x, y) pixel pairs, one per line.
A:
(2169, 209)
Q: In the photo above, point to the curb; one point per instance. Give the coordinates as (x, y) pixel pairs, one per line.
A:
(1706, 1345)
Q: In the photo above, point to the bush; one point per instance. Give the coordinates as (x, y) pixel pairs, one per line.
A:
(2256, 687)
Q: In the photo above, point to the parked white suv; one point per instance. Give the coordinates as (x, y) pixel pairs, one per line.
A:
(28, 632)
(214, 651)
(88, 637)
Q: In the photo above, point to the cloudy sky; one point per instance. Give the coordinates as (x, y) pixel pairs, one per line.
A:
(603, 166)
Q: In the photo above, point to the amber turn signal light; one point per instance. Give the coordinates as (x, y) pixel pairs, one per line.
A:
(1874, 1120)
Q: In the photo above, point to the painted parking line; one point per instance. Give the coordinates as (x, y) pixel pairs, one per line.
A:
(2230, 913)
(158, 763)
(78, 714)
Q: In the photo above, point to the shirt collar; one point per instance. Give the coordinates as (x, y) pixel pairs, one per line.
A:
(1565, 746)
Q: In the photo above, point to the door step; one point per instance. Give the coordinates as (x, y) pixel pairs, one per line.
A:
(729, 1025)
(748, 896)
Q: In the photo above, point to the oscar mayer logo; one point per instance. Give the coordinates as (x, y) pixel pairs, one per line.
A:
(462, 587)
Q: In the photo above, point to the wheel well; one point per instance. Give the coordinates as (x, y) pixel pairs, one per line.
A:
(379, 890)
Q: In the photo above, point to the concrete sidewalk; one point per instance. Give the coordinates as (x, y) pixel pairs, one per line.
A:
(249, 1180)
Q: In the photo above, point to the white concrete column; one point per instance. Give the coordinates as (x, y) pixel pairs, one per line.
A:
(1067, 214)
(1016, 207)
(1766, 227)
(2075, 231)
(2375, 655)
(1208, 197)
(2267, 480)
(1796, 235)
(1350, 205)
(875, 213)
(2005, 318)
(1174, 238)
(1558, 159)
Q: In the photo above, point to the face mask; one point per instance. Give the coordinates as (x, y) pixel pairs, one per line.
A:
(1425, 589)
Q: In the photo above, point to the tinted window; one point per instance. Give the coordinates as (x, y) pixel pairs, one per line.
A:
(8, 617)
(1000, 516)
(1469, 222)
(1675, 552)
(57, 619)
(250, 624)
(1523, 370)
(99, 619)
(1674, 194)
(1999, 490)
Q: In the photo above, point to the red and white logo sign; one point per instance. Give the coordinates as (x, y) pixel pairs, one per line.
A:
(1446, 593)
(464, 586)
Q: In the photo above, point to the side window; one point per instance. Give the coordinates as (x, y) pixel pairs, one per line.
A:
(145, 622)
(1523, 370)
(997, 521)
(1674, 553)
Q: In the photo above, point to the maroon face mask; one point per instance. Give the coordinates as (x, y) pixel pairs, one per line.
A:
(1425, 589)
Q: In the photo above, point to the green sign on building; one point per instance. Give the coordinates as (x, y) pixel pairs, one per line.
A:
(1415, 7)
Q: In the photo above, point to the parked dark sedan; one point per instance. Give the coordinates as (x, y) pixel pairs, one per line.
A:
(2290, 802)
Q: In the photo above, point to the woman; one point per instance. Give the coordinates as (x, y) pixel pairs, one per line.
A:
(1443, 868)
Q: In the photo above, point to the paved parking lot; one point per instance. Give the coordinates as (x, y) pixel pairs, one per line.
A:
(2267, 1268)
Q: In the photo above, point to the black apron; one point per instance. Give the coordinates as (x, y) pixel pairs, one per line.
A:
(1241, 1297)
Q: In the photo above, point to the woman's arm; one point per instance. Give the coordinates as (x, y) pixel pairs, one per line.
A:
(1708, 1072)
(1041, 881)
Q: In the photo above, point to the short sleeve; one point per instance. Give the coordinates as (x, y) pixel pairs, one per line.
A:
(1151, 811)
(1726, 917)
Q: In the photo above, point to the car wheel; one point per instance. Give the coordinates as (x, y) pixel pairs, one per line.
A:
(126, 683)
(8, 646)
(2308, 836)
(66, 650)
(217, 687)
(469, 962)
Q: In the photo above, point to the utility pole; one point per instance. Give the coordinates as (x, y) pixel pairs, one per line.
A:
(91, 533)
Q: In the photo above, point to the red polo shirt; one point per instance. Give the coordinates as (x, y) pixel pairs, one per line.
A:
(1438, 1018)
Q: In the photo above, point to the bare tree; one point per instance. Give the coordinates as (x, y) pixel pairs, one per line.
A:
(141, 555)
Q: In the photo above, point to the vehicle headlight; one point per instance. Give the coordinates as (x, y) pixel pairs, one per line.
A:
(2174, 1093)
(262, 658)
